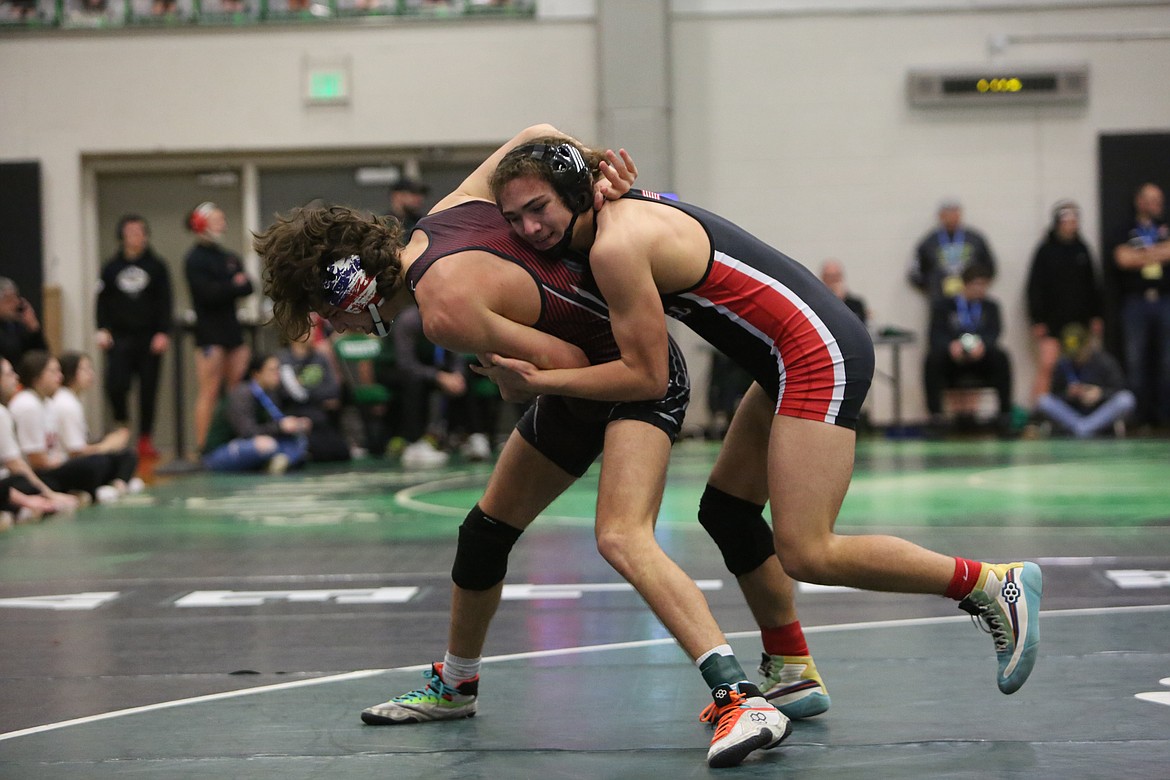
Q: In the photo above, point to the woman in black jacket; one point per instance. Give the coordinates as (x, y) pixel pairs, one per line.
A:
(1063, 289)
(217, 280)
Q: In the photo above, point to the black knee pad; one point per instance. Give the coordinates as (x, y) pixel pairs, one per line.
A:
(481, 559)
(738, 528)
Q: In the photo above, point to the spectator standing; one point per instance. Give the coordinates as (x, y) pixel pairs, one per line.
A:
(217, 280)
(408, 202)
(964, 344)
(250, 431)
(20, 330)
(1088, 387)
(1141, 250)
(134, 323)
(77, 376)
(945, 252)
(833, 275)
(1063, 290)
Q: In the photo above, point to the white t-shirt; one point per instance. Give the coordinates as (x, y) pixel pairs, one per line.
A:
(9, 447)
(71, 424)
(36, 426)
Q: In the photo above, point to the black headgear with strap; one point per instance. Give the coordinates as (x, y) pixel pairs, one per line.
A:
(570, 173)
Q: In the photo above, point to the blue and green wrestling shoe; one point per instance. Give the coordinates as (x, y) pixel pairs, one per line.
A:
(1007, 601)
(437, 701)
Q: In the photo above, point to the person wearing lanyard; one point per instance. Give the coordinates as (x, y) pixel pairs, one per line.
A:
(944, 253)
(248, 430)
(964, 335)
(1088, 387)
(1141, 250)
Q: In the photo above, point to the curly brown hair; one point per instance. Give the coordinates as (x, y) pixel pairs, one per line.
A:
(518, 164)
(298, 247)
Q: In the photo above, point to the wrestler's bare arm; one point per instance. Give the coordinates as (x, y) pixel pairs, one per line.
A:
(622, 268)
(478, 330)
(476, 185)
(472, 307)
(618, 171)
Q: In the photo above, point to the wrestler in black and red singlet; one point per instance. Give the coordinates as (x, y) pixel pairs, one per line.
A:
(568, 432)
(777, 320)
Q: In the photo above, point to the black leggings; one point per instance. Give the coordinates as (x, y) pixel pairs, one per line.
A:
(130, 355)
(86, 473)
(21, 484)
(941, 372)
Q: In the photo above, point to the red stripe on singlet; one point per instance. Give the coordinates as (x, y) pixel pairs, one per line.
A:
(774, 314)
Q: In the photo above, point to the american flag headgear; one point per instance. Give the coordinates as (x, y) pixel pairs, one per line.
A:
(349, 288)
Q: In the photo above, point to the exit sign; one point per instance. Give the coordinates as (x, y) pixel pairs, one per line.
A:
(326, 83)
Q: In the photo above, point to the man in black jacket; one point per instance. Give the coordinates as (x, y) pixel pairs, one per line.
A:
(964, 345)
(134, 320)
(946, 251)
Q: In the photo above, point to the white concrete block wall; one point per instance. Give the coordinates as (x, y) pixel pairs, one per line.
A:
(789, 118)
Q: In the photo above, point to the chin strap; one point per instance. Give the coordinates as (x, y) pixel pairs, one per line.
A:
(562, 246)
(380, 325)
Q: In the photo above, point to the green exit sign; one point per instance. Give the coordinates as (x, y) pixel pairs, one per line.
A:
(326, 85)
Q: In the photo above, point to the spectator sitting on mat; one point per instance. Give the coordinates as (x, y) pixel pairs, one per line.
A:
(249, 431)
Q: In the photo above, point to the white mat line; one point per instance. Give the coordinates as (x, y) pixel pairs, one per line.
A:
(358, 675)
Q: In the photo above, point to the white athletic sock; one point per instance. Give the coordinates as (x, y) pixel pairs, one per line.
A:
(457, 670)
(718, 650)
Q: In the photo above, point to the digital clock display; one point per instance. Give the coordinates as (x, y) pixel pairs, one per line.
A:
(998, 84)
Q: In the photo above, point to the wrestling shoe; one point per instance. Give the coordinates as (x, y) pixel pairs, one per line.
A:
(791, 683)
(436, 701)
(1007, 601)
(744, 721)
